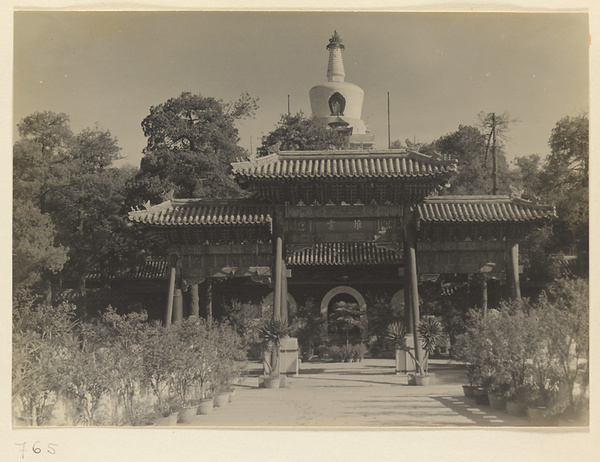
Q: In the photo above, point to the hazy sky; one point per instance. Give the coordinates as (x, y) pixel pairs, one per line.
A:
(441, 69)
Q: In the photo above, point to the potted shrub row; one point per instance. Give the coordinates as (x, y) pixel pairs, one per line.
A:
(186, 364)
(533, 358)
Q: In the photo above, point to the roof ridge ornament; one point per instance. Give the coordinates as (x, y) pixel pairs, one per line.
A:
(516, 193)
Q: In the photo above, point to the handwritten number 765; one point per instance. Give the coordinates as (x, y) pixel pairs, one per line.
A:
(36, 449)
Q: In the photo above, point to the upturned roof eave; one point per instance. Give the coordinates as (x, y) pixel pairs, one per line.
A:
(483, 209)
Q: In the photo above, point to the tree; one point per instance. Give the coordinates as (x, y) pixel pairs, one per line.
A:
(474, 176)
(90, 219)
(49, 129)
(565, 307)
(41, 158)
(496, 128)
(299, 133)
(564, 180)
(95, 149)
(69, 203)
(34, 250)
(191, 141)
(529, 168)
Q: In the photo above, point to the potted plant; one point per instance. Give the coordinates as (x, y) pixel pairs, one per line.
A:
(167, 412)
(205, 404)
(271, 334)
(194, 363)
(430, 332)
(497, 394)
(222, 379)
(469, 390)
(474, 347)
(395, 337)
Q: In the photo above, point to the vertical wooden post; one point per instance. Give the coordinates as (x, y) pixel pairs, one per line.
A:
(411, 253)
(278, 275)
(284, 292)
(169, 314)
(408, 316)
(484, 295)
(209, 298)
(194, 301)
(514, 260)
(177, 306)
(414, 298)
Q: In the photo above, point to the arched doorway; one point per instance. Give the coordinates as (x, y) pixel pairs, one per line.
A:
(342, 306)
(397, 302)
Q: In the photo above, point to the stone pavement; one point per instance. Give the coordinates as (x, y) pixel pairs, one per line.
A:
(366, 394)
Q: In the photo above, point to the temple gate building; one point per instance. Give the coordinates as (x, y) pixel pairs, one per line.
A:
(338, 225)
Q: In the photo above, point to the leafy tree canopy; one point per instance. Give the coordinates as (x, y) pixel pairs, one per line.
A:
(34, 249)
(69, 203)
(191, 141)
(468, 145)
(562, 180)
(299, 133)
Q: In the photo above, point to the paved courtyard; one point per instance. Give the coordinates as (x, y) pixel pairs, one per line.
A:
(365, 394)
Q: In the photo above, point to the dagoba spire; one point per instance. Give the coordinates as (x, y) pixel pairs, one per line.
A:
(335, 68)
(338, 104)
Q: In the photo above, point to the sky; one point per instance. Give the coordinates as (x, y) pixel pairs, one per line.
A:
(440, 69)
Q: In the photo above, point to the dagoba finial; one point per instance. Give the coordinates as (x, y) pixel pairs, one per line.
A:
(335, 41)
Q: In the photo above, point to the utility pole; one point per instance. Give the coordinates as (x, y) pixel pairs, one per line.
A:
(389, 135)
(494, 162)
(289, 113)
(491, 138)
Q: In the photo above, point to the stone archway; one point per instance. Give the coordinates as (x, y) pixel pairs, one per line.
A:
(342, 290)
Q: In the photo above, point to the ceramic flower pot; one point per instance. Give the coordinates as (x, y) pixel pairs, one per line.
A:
(496, 401)
(481, 397)
(540, 415)
(423, 380)
(167, 421)
(272, 382)
(222, 399)
(206, 406)
(187, 414)
(515, 408)
(469, 391)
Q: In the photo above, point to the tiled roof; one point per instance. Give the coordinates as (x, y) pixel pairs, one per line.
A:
(344, 253)
(154, 268)
(190, 212)
(481, 209)
(344, 164)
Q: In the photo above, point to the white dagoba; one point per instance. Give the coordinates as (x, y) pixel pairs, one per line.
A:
(337, 103)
